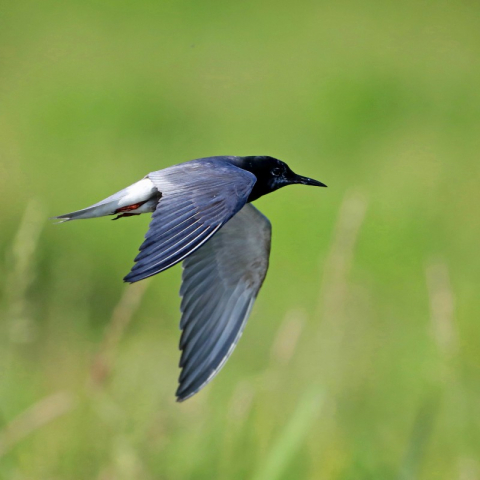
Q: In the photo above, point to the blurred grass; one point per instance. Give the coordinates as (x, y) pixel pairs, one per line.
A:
(372, 294)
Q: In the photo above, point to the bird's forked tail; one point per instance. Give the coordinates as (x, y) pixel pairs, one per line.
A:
(141, 197)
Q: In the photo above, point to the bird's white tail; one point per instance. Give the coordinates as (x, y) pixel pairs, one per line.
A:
(141, 197)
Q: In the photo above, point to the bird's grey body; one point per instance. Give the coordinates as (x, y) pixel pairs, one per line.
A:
(201, 216)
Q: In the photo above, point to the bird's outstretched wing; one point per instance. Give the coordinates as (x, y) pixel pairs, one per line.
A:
(197, 198)
(220, 283)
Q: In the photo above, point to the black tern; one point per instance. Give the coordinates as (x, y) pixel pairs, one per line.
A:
(203, 216)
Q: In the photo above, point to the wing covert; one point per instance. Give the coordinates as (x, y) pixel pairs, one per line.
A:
(197, 198)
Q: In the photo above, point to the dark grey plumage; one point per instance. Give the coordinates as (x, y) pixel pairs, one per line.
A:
(197, 199)
(202, 216)
(220, 283)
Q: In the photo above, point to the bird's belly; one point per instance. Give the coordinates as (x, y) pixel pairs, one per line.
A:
(141, 197)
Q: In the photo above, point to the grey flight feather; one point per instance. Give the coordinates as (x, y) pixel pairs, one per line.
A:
(220, 283)
(197, 198)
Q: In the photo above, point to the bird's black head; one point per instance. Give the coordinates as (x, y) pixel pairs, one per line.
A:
(272, 174)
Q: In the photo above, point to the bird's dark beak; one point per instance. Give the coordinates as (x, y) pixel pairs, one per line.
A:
(307, 181)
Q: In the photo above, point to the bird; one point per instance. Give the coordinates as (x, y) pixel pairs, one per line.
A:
(202, 215)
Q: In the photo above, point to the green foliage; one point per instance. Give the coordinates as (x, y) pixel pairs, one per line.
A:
(361, 357)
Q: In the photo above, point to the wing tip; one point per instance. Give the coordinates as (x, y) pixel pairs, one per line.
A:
(181, 396)
(132, 278)
(128, 278)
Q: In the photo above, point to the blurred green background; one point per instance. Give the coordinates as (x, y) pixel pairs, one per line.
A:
(361, 359)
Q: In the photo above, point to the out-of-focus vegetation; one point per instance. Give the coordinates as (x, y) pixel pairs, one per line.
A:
(361, 359)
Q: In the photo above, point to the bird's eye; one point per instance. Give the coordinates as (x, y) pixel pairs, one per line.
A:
(276, 171)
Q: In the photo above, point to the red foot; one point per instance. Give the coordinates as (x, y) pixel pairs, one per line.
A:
(130, 207)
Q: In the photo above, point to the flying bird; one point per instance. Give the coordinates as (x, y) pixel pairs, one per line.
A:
(203, 216)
